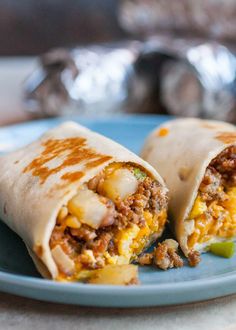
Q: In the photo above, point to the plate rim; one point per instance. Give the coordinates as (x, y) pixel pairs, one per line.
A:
(202, 287)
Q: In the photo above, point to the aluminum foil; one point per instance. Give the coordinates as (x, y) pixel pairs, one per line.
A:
(161, 75)
(81, 80)
(197, 78)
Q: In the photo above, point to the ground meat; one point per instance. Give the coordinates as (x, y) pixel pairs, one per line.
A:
(128, 212)
(166, 257)
(100, 245)
(210, 185)
(110, 216)
(63, 238)
(94, 182)
(87, 259)
(194, 258)
(225, 164)
(221, 172)
(112, 248)
(149, 196)
(84, 233)
(92, 243)
(145, 259)
(154, 194)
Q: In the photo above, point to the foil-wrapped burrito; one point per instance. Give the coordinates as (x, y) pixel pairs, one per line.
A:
(82, 79)
(81, 202)
(162, 75)
(196, 78)
(197, 161)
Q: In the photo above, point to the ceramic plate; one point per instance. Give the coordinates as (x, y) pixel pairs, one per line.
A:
(214, 277)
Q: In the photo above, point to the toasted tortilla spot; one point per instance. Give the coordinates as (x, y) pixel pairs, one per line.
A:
(98, 162)
(72, 151)
(16, 162)
(38, 250)
(226, 137)
(73, 176)
(184, 173)
(163, 131)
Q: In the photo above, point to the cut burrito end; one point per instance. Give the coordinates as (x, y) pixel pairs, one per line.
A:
(213, 215)
(197, 160)
(109, 221)
(81, 202)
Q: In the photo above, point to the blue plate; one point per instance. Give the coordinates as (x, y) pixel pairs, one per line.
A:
(214, 277)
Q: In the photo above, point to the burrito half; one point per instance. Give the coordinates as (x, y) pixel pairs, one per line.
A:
(197, 159)
(80, 201)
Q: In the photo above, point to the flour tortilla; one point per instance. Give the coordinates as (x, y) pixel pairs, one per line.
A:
(29, 205)
(180, 150)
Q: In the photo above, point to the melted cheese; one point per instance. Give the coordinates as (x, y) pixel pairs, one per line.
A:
(220, 225)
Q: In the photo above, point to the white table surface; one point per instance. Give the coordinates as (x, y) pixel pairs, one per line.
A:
(23, 313)
(13, 72)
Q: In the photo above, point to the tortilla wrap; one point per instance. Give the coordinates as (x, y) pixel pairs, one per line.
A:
(38, 179)
(181, 150)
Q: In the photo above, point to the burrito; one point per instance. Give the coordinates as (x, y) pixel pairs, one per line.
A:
(80, 202)
(197, 160)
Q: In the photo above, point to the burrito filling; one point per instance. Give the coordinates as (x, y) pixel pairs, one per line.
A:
(213, 215)
(110, 221)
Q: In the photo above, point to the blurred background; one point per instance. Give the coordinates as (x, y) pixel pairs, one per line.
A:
(102, 57)
(31, 27)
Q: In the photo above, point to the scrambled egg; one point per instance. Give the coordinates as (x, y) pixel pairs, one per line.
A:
(220, 220)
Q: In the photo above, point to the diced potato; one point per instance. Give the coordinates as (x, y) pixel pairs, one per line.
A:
(115, 275)
(63, 261)
(120, 184)
(88, 208)
(199, 208)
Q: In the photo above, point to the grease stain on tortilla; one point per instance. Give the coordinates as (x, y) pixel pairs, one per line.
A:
(226, 137)
(72, 151)
(163, 131)
(184, 173)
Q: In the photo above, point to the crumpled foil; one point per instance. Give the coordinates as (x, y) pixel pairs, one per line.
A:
(162, 75)
(81, 80)
(209, 18)
(198, 79)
